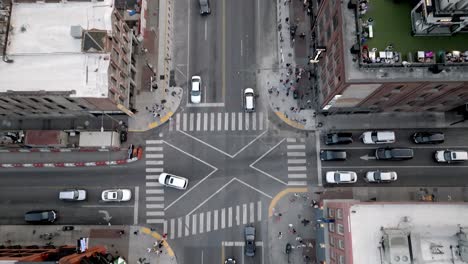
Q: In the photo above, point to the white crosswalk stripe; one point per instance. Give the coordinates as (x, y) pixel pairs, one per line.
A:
(219, 121)
(154, 191)
(210, 221)
(297, 162)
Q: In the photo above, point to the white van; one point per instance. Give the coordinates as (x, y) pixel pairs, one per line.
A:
(451, 156)
(249, 100)
(378, 137)
(72, 195)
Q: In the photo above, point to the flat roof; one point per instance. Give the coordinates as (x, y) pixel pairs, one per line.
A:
(434, 222)
(46, 56)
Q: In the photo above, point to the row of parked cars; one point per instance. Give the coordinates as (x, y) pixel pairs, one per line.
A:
(383, 137)
(351, 176)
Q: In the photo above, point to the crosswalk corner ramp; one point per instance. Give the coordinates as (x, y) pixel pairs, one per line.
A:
(280, 195)
(151, 236)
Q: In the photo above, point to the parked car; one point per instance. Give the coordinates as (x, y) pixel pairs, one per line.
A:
(249, 236)
(338, 138)
(331, 155)
(195, 92)
(394, 153)
(450, 156)
(173, 181)
(378, 137)
(341, 177)
(381, 176)
(116, 195)
(249, 100)
(428, 137)
(204, 7)
(230, 261)
(41, 216)
(72, 195)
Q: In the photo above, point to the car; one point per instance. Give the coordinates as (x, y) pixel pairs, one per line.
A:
(378, 137)
(204, 7)
(394, 153)
(41, 216)
(381, 176)
(249, 100)
(249, 235)
(428, 137)
(338, 138)
(230, 261)
(72, 195)
(341, 177)
(195, 92)
(116, 195)
(331, 155)
(173, 181)
(450, 156)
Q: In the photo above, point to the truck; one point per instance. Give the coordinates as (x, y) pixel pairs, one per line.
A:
(46, 138)
(99, 139)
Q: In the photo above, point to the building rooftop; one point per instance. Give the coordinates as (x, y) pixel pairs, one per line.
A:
(432, 228)
(42, 47)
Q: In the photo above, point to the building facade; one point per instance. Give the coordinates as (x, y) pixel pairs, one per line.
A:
(372, 64)
(65, 58)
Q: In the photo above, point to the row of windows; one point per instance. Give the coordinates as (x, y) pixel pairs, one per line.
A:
(338, 215)
(341, 258)
(339, 228)
(341, 244)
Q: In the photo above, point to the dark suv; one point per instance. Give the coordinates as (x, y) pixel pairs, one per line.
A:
(338, 138)
(428, 137)
(41, 216)
(394, 153)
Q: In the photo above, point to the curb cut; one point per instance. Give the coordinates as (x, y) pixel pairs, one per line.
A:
(289, 121)
(156, 235)
(162, 120)
(281, 194)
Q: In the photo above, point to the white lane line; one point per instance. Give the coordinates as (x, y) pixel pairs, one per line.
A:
(223, 218)
(259, 211)
(296, 161)
(215, 227)
(206, 144)
(154, 191)
(230, 217)
(194, 224)
(219, 123)
(154, 169)
(179, 227)
(226, 121)
(198, 122)
(254, 121)
(241, 48)
(191, 121)
(152, 177)
(155, 213)
(238, 215)
(165, 227)
(260, 117)
(154, 198)
(239, 126)
(252, 213)
(296, 147)
(244, 214)
(206, 104)
(187, 225)
(201, 222)
(247, 121)
(154, 162)
(154, 156)
(178, 121)
(135, 208)
(296, 154)
(206, 29)
(250, 143)
(171, 128)
(184, 122)
(297, 168)
(153, 184)
(208, 221)
(154, 206)
(154, 149)
(233, 121)
(172, 233)
(291, 140)
(153, 142)
(212, 119)
(301, 183)
(253, 188)
(155, 221)
(205, 121)
(297, 176)
(261, 157)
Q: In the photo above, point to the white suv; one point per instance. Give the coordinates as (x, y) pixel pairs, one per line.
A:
(381, 176)
(378, 137)
(451, 156)
(249, 100)
(195, 93)
(341, 177)
(173, 181)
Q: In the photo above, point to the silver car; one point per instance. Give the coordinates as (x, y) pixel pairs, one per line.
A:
(116, 195)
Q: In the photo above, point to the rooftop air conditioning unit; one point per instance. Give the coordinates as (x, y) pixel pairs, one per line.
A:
(76, 31)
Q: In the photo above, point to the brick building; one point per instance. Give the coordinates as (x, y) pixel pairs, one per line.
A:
(375, 59)
(66, 58)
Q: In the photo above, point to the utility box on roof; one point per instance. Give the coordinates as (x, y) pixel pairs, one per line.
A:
(99, 139)
(46, 138)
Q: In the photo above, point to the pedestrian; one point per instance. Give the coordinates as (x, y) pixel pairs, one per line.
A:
(298, 238)
(122, 232)
(302, 36)
(280, 235)
(148, 250)
(135, 233)
(288, 64)
(158, 252)
(287, 20)
(294, 231)
(164, 236)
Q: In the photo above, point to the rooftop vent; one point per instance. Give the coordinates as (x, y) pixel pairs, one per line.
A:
(76, 31)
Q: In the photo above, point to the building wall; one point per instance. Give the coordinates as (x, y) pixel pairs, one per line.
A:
(339, 235)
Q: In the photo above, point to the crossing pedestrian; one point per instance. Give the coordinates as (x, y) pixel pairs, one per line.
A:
(280, 235)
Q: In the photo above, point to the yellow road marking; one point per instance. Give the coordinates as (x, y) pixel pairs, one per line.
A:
(288, 121)
(280, 195)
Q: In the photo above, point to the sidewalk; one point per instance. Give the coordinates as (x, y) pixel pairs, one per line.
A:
(132, 245)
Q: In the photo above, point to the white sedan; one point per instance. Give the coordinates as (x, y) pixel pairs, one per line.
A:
(116, 195)
(381, 176)
(195, 93)
(341, 177)
(173, 181)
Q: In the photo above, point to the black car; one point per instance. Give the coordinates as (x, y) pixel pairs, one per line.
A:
(249, 234)
(428, 137)
(40, 216)
(330, 155)
(394, 153)
(338, 138)
(230, 261)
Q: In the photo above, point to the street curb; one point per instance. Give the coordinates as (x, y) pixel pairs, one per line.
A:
(68, 164)
(52, 150)
(289, 121)
(281, 194)
(162, 120)
(156, 235)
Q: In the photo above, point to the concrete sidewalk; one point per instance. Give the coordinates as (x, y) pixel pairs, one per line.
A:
(132, 245)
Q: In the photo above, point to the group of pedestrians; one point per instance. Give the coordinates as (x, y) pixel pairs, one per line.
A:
(157, 246)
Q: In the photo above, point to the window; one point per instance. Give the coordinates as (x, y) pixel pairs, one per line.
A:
(340, 229)
(69, 100)
(437, 88)
(112, 94)
(82, 107)
(61, 106)
(332, 241)
(331, 212)
(331, 227)
(411, 103)
(332, 254)
(340, 244)
(341, 259)
(33, 99)
(397, 89)
(48, 100)
(339, 213)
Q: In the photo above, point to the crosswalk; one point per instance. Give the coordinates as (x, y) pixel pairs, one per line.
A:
(297, 162)
(154, 191)
(218, 121)
(213, 220)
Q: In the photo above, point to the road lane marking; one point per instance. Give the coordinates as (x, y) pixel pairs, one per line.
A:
(261, 157)
(205, 121)
(154, 198)
(220, 115)
(296, 146)
(206, 29)
(201, 222)
(254, 121)
(198, 121)
(223, 49)
(205, 104)
(153, 149)
(215, 227)
(238, 215)
(291, 140)
(194, 224)
(223, 218)
(154, 169)
(153, 184)
(191, 121)
(179, 227)
(152, 177)
(155, 213)
(154, 206)
(184, 122)
(244, 214)
(154, 156)
(247, 121)
(208, 221)
(226, 121)
(297, 175)
(212, 119)
(233, 121)
(260, 117)
(296, 154)
(252, 213)
(298, 183)
(296, 161)
(403, 167)
(239, 126)
(154, 191)
(154, 162)
(178, 121)
(297, 168)
(230, 217)
(104, 205)
(153, 142)
(172, 233)
(241, 48)
(187, 225)
(155, 221)
(259, 211)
